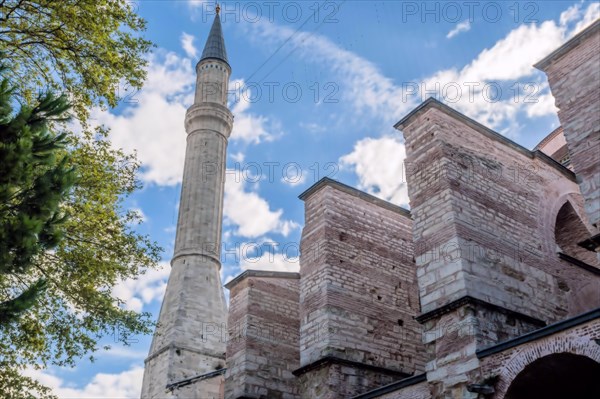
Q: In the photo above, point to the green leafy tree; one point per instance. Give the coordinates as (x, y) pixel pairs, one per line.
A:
(33, 182)
(87, 48)
(99, 248)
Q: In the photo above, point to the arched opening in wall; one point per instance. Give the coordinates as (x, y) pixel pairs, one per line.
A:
(568, 231)
(557, 376)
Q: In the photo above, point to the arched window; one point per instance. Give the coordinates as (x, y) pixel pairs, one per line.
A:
(557, 376)
(568, 231)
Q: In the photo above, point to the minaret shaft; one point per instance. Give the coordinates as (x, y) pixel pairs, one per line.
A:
(190, 336)
(201, 204)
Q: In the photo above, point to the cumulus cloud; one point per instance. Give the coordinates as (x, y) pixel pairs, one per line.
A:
(127, 384)
(271, 261)
(267, 254)
(582, 18)
(153, 124)
(187, 43)
(513, 56)
(143, 290)
(543, 106)
(510, 61)
(238, 156)
(464, 26)
(251, 213)
(248, 127)
(378, 164)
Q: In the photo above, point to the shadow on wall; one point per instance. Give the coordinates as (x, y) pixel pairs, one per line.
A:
(557, 376)
(568, 231)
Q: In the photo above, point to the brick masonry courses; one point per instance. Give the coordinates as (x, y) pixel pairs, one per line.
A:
(358, 293)
(263, 342)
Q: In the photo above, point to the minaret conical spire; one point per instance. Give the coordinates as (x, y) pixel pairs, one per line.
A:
(215, 43)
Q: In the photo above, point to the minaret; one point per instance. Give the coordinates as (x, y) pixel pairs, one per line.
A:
(187, 355)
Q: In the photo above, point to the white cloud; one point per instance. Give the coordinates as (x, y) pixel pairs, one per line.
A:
(512, 57)
(250, 212)
(272, 262)
(266, 254)
(543, 106)
(127, 384)
(379, 166)
(464, 26)
(123, 352)
(511, 60)
(144, 289)
(154, 125)
(575, 14)
(187, 43)
(472, 89)
(249, 128)
(570, 14)
(377, 162)
(591, 15)
(238, 156)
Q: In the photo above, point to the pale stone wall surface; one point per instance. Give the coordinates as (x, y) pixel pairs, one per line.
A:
(417, 391)
(484, 216)
(358, 291)
(334, 381)
(263, 347)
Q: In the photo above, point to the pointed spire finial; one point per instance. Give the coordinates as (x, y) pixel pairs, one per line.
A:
(215, 43)
(218, 8)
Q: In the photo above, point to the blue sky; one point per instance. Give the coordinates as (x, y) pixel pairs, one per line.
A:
(316, 88)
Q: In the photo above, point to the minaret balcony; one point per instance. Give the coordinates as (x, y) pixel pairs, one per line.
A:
(209, 116)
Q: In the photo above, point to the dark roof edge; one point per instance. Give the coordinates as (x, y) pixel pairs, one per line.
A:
(213, 59)
(196, 378)
(579, 263)
(328, 182)
(540, 333)
(262, 274)
(394, 386)
(469, 300)
(338, 360)
(568, 46)
(486, 131)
